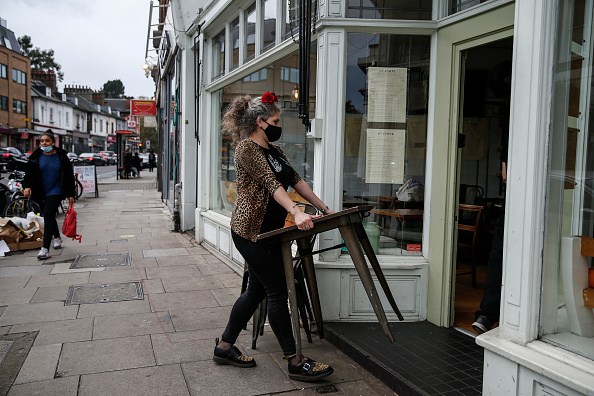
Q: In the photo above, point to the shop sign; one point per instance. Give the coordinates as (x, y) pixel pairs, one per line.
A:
(111, 139)
(25, 135)
(90, 144)
(143, 108)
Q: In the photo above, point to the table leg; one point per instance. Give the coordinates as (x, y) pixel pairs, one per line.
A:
(352, 243)
(304, 246)
(290, 277)
(376, 266)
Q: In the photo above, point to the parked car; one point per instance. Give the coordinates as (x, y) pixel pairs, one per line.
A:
(144, 159)
(73, 157)
(92, 159)
(12, 158)
(109, 157)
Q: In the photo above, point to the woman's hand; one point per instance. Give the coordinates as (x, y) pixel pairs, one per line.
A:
(27, 192)
(71, 200)
(328, 212)
(304, 221)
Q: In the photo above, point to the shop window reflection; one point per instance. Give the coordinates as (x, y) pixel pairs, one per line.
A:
(293, 142)
(250, 26)
(384, 151)
(390, 9)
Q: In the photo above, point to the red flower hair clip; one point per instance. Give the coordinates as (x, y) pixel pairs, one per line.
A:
(269, 98)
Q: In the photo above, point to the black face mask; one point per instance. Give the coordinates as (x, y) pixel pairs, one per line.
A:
(273, 132)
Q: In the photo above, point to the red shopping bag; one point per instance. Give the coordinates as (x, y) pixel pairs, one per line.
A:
(69, 226)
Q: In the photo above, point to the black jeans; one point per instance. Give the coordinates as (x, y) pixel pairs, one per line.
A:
(50, 209)
(492, 296)
(266, 279)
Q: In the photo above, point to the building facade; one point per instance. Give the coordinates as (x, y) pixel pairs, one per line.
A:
(412, 105)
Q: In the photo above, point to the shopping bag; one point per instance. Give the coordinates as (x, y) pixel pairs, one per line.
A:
(69, 226)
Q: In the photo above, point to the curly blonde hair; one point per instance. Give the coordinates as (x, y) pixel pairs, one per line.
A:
(240, 119)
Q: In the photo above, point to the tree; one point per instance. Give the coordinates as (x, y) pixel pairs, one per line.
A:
(40, 59)
(114, 89)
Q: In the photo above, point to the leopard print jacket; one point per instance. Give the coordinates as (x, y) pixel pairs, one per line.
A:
(256, 183)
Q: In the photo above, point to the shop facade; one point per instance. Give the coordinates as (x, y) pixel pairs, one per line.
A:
(412, 106)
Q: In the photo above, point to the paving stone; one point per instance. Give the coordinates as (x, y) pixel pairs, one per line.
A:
(145, 262)
(172, 272)
(198, 319)
(215, 269)
(5, 330)
(64, 268)
(150, 381)
(227, 296)
(18, 272)
(165, 252)
(152, 286)
(128, 247)
(53, 293)
(99, 356)
(180, 260)
(54, 387)
(188, 283)
(117, 276)
(230, 280)
(346, 388)
(114, 308)
(59, 280)
(40, 364)
(18, 296)
(204, 376)
(35, 313)
(59, 332)
(131, 325)
(183, 300)
(198, 250)
(13, 283)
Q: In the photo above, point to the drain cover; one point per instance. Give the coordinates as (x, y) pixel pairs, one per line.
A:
(327, 389)
(101, 260)
(91, 294)
(4, 348)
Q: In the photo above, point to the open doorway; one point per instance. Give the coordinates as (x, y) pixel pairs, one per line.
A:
(484, 128)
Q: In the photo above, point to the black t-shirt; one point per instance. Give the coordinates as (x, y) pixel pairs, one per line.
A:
(275, 213)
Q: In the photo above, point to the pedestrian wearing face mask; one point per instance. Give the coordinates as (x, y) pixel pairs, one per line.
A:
(49, 179)
(263, 176)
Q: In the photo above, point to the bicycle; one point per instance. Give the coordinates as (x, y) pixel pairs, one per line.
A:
(20, 207)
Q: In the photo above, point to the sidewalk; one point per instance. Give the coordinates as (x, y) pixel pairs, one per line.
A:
(160, 344)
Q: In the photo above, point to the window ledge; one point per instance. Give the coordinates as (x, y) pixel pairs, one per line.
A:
(560, 365)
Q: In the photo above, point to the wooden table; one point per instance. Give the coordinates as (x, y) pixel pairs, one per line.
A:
(403, 214)
(349, 224)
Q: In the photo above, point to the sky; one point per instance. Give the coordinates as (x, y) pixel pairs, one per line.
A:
(93, 41)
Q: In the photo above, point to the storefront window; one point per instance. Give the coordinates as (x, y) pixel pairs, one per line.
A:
(390, 9)
(461, 5)
(269, 31)
(293, 142)
(218, 55)
(292, 19)
(250, 26)
(567, 316)
(235, 43)
(385, 136)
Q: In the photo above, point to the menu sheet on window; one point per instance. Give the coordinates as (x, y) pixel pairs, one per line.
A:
(386, 94)
(385, 156)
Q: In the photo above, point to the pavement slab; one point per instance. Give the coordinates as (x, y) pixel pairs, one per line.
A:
(197, 319)
(173, 272)
(165, 252)
(215, 268)
(13, 283)
(152, 286)
(230, 280)
(17, 296)
(227, 296)
(40, 364)
(183, 300)
(131, 325)
(37, 313)
(180, 260)
(149, 381)
(54, 387)
(192, 282)
(29, 270)
(67, 279)
(99, 356)
(59, 332)
(52, 293)
(183, 347)
(114, 308)
(206, 377)
(122, 274)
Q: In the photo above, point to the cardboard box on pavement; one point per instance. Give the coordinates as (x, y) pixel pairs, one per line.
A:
(17, 239)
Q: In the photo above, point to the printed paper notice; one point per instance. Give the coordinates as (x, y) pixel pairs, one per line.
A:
(385, 156)
(86, 176)
(386, 94)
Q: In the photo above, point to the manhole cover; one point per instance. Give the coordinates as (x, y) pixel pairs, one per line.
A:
(101, 260)
(118, 240)
(4, 348)
(91, 294)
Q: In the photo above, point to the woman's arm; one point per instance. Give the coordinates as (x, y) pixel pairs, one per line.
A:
(306, 192)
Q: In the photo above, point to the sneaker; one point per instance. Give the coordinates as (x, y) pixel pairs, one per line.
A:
(482, 324)
(43, 254)
(57, 243)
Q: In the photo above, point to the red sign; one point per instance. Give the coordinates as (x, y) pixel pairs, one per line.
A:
(413, 247)
(111, 139)
(143, 108)
(124, 132)
(25, 135)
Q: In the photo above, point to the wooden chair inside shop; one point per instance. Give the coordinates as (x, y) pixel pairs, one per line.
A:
(470, 218)
(303, 297)
(384, 202)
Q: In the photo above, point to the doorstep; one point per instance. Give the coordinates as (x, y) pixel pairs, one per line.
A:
(424, 360)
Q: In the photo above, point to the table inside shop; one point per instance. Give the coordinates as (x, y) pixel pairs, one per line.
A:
(349, 224)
